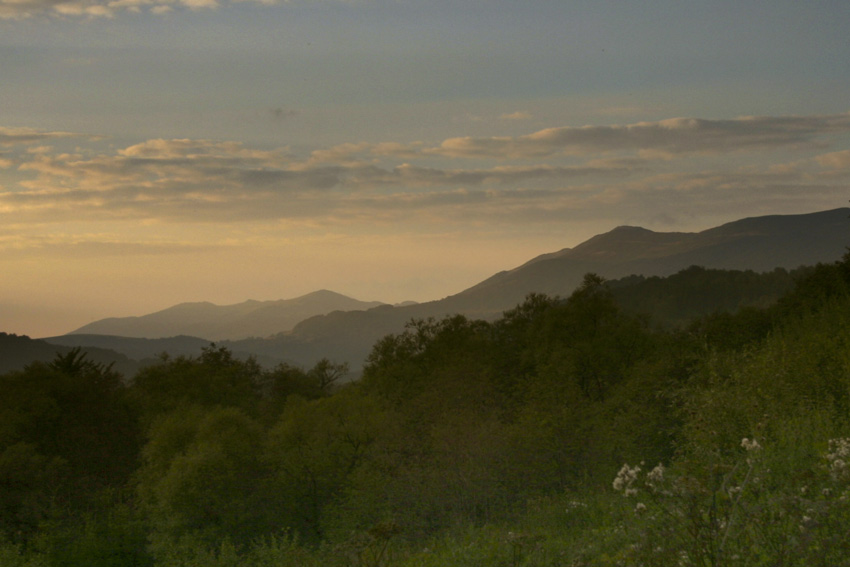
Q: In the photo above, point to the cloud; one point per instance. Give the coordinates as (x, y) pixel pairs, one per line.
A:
(205, 180)
(396, 149)
(835, 160)
(182, 166)
(225, 182)
(175, 149)
(95, 245)
(23, 136)
(171, 170)
(339, 153)
(518, 115)
(671, 136)
(22, 9)
(409, 175)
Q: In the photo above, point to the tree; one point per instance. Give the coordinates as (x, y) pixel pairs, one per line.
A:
(314, 450)
(76, 410)
(325, 374)
(216, 378)
(70, 417)
(30, 484)
(202, 475)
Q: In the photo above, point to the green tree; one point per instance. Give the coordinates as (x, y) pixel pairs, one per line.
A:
(215, 378)
(71, 415)
(589, 340)
(31, 485)
(202, 475)
(313, 451)
(277, 385)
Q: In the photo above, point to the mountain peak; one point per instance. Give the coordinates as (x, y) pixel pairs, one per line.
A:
(321, 293)
(629, 242)
(623, 228)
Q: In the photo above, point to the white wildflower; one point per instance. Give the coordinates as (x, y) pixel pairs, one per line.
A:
(839, 448)
(624, 480)
(655, 477)
(750, 444)
(838, 457)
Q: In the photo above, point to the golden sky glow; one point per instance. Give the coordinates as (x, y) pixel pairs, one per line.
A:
(141, 168)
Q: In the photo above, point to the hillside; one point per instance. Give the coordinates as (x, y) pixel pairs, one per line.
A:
(147, 350)
(17, 351)
(759, 244)
(216, 322)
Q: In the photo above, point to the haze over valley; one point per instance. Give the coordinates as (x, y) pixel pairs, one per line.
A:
(325, 324)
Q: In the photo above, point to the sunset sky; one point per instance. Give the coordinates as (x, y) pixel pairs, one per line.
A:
(160, 151)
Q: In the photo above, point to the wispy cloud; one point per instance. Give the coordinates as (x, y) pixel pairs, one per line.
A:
(24, 136)
(518, 115)
(21, 9)
(835, 160)
(95, 245)
(597, 169)
(671, 136)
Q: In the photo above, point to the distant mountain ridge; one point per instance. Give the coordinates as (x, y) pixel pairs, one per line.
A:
(757, 243)
(217, 322)
(760, 244)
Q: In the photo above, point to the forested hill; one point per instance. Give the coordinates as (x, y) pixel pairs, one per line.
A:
(667, 301)
(124, 355)
(759, 244)
(567, 431)
(677, 300)
(18, 351)
(748, 245)
(671, 301)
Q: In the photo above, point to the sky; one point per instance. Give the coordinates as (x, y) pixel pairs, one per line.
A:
(154, 152)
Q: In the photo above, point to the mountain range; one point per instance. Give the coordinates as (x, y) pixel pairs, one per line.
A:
(759, 244)
(216, 322)
(345, 329)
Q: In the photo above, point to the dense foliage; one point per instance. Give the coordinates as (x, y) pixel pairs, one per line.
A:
(568, 432)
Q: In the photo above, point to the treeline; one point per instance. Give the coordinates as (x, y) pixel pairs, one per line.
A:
(464, 443)
(679, 299)
(17, 351)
